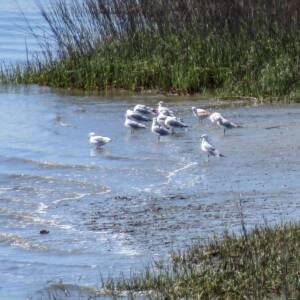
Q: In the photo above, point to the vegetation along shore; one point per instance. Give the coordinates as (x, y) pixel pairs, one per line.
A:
(245, 47)
(261, 264)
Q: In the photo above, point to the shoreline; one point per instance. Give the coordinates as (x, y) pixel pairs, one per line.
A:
(262, 263)
(258, 264)
(158, 94)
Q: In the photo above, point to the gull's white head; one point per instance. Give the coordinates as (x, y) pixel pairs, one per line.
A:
(161, 103)
(204, 137)
(92, 134)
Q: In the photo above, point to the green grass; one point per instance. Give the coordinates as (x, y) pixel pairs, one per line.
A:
(262, 264)
(229, 54)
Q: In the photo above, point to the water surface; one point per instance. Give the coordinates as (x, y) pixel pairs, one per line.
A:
(117, 209)
(17, 44)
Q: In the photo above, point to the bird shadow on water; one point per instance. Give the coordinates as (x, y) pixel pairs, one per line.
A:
(178, 134)
(135, 136)
(99, 151)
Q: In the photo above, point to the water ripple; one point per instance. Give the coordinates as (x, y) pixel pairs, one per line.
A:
(16, 241)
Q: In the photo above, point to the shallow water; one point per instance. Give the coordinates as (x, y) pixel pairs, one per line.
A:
(16, 41)
(117, 209)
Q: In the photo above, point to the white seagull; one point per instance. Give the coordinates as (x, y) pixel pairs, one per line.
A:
(173, 122)
(98, 140)
(136, 116)
(222, 122)
(143, 109)
(133, 125)
(209, 148)
(200, 113)
(159, 130)
(163, 109)
(214, 117)
(161, 119)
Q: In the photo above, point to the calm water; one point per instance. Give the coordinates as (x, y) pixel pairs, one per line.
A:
(15, 38)
(115, 210)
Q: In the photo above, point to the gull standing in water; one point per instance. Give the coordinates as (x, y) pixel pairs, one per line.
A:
(159, 130)
(161, 118)
(222, 122)
(98, 140)
(163, 109)
(143, 109)
(200, 113)
(133, 125)
(214, 117)
(173, 122)
(136, 116)
(209, 148)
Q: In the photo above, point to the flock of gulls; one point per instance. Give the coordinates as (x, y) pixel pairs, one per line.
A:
(164, 123)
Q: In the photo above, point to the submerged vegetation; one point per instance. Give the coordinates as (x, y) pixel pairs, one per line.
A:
(240, 47)
(262, 264)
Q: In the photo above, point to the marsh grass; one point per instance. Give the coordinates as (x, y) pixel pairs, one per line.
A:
(262, 264)
(245, 47)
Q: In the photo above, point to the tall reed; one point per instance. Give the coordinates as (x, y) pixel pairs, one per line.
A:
(248, 47)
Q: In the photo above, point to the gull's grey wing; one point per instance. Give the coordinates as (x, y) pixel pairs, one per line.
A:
(139, 117)
(161, 130)
(176, 123)
(134, 124)
(228, 124)
(210, 148)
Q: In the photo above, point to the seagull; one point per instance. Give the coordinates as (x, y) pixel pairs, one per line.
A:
(214, 117)
(161, 118)
(143, 109)
(200, 113)
(222, 122)
(98, 140)
(173, 122)
(163, 109)
(136, 116)
(133, 125)
(209, 148)
(159, 130)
